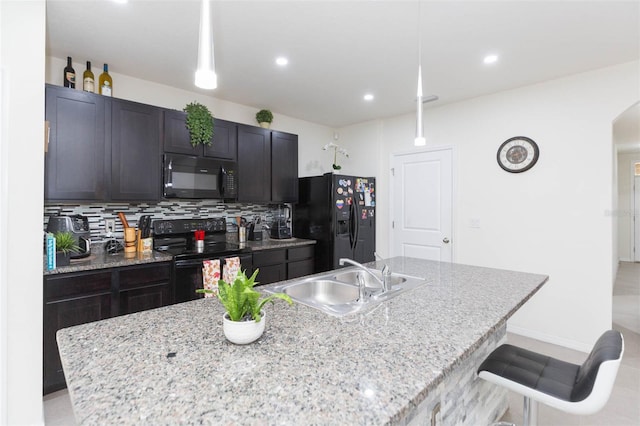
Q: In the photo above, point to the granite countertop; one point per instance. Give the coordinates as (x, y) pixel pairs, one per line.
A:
(275, 244)
(103, 260)
(100, 259)
(173, 364)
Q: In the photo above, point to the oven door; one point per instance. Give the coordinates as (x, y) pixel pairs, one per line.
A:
(187, 275)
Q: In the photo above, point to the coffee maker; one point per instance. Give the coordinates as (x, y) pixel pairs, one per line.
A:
(78, 226)
(280, 228)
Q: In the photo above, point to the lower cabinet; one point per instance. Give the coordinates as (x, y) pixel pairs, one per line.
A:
(283, 264)
(81, 297)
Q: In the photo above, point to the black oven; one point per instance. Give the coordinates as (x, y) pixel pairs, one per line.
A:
(177, 237)
(187, 176)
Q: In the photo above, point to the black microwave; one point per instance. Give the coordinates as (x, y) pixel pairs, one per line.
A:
(186, 176)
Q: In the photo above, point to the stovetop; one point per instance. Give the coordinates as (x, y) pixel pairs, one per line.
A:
(177, 237)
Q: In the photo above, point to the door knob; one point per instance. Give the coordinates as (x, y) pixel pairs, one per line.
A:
(445, 240)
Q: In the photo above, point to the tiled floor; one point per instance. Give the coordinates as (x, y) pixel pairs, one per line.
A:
(622, 409)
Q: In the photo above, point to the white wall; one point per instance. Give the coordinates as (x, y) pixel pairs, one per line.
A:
(625, 204)
(22, 38)
(312, 160)
(554, 219)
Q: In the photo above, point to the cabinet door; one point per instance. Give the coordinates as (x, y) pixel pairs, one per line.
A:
(176, 137)
(225, 140)
(143, 287)
(254, 164)
(135, 147)
(77, 156)
(271, 274)
(284, 167)
(70, 299)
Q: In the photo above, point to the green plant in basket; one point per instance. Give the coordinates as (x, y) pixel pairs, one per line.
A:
(241, 300)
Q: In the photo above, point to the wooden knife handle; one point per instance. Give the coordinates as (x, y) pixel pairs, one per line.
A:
(123, 219)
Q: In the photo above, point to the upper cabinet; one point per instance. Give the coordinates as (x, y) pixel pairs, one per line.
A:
(135, 151)
(176, 137)
(267, 165)
(284, 167)
(78, 156)
(107, 149)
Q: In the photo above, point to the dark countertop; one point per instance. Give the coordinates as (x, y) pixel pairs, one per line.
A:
(172, 365)
(101, 260)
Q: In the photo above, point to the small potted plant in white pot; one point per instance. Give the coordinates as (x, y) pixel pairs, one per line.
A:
(264, 117)
(244, 319)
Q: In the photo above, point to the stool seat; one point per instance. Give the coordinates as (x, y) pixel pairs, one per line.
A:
(577, 389)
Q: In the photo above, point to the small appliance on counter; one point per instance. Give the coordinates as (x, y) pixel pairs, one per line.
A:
(280, 228)
(254, 230)
(78, 226)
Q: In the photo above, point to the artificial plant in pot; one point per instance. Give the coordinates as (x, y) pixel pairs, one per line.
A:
(200, 124)
(264, 117)
(244, 319)
(65, 245)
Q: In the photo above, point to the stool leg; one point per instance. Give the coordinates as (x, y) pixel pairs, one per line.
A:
(530, 411)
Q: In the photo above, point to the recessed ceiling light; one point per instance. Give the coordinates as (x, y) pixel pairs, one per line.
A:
(490, 59)
(282, 61)
(368, 97)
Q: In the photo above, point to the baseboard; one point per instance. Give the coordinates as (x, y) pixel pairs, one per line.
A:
(624, 259)
(548, 338)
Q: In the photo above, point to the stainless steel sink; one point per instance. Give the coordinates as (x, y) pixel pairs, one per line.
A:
(351, 277)
(336, 293)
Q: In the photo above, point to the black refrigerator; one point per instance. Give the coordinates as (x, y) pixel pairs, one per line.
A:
(338, 211)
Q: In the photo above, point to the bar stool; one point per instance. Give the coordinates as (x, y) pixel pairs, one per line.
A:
(576, 389)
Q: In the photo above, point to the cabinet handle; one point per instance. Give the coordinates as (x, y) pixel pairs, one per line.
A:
(445, 240)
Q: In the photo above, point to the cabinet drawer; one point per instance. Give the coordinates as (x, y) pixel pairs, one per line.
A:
(300, 253)
(299, 268)
(78, 284)
(269, 257)
(137, 276)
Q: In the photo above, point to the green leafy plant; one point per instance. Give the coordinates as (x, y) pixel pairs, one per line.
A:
(199, 123)
(66, 243)
(240, 299)
(264, 116)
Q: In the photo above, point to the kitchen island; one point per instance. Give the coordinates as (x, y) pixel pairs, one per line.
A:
(409, 359)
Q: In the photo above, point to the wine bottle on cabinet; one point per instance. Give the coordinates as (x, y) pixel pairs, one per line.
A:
(69, 75)
(88, 81)
(105, 82)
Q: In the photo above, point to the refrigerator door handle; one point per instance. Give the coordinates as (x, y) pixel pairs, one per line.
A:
(356, 227)
(352, 232)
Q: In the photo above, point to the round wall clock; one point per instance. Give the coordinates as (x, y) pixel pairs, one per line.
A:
(518, 154)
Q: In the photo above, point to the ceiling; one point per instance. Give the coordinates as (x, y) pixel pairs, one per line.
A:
(340, 50)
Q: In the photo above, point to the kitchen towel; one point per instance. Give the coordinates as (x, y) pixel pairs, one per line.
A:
(210, 276)
(231, 268)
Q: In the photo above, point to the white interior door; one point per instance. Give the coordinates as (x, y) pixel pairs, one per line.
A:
(422, 195)
(636, 219)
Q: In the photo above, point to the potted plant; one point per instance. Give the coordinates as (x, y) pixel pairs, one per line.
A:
(264, 117)
(65, 245)
(244, 319)
(199, 123)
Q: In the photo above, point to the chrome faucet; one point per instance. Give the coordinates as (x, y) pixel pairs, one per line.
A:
(385, 282)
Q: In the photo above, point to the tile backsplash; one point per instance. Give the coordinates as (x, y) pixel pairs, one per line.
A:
(175, 209)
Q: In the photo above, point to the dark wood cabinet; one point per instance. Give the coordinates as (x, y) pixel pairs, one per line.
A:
(143, 287)
(176, 137)
(254, 164)
(267, 165)
(284, 167)
(78, 155)
(283, 264)
(135, 151)
(70, 299)
(81, 297)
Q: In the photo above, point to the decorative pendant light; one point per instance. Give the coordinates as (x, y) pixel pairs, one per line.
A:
(206, 77)
(419, 140)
